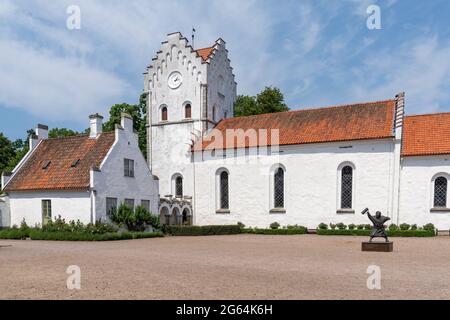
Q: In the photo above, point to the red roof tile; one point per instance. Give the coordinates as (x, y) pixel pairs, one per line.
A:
(427, 134)
(373, 120)
(62, 153)
(205, 53)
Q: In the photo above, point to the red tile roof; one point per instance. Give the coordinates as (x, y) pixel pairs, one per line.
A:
(205, 53)
(62, 153)
(427, 134)
(372, 120)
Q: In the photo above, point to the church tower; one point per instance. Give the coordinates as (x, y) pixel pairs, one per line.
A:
(188, 92)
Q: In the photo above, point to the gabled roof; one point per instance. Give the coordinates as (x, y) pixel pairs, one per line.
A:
(371, 120)
(427, 134)
(59, 156)
(205, 53)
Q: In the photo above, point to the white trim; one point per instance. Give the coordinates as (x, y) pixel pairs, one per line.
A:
(339, 185)
(218, 195)
(273, 169)
(432, 189)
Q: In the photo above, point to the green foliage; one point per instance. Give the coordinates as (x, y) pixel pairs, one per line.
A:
(241, 225)
(360, 227)
(82, 236)
(20, 148)
(390, 233)
(429, 227)
(351, 226)
(62, 133)
(323, 226)
(270, 100)
(135, 220)
(367, 227)
(202, 230)
(404, 226)
(393, 227)
(284, 231)
(60, 225)
(7, 152)
(139, 114)
(414, 227)
(332, 226)
(274, 225)
(341, 226)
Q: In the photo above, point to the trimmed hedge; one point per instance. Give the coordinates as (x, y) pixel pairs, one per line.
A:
(33, 234)
(284, 231)
(390, 233)
(202, 230)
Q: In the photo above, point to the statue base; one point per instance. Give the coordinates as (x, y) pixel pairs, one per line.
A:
(377, 246)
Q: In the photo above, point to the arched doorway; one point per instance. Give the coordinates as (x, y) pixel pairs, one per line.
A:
(175, 217)
(164, 216)
(187, 217)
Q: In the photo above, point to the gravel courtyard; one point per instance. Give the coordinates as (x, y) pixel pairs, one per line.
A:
(225, 267)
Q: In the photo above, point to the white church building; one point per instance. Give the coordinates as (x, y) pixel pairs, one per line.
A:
(298, 167)
(205, 167)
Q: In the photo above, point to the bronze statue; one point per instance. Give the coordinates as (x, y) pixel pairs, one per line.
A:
(378, 229)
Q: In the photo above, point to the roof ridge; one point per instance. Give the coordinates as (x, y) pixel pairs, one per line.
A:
(313, 109)
(83, 135)
(428, 114)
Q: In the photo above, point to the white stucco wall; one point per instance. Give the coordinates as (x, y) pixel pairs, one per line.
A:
(4, 212)
(416, 193)
(311, 185)
(111, 181)
(70, 205)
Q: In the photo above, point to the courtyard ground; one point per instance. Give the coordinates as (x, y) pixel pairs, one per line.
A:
(225, 267)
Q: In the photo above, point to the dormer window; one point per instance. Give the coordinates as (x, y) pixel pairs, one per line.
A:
(46, 164)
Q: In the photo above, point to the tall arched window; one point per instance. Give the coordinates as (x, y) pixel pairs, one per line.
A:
(179, 187)
(347, 187)
(440, 192)
(278, 186)
(224, 195)
(187, 111)
(164, 116)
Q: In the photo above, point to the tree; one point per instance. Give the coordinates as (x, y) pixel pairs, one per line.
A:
(139, 114)
(61, 133)
(6, 152)
(270, 100)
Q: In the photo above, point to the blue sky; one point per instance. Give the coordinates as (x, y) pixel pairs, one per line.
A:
(318, 53)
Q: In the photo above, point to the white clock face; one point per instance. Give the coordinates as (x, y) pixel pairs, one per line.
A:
(175, 80)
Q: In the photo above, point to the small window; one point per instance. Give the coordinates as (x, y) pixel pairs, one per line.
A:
(46, 164)
(46, 211)
(129, 168)
(224, 199)
(278, 188)
(129, 203)
(111, 206)
(145, 204)
(440, 192)
(164, 116)
(188, 111)
(347, 188)
(179, 187)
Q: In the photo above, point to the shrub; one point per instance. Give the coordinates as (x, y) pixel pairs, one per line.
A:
(429, 227)
(332, 226)
(414, 227)
(341, 226)
(274, 225)
(367, 227)
(323, 226)
(202, 230)
(404, 226)
(285, 231)
(393, 227)
(351, 226)
(241, 225)
(360, 227)
(135, 220)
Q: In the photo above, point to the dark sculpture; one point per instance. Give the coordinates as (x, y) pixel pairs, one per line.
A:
(378, 229)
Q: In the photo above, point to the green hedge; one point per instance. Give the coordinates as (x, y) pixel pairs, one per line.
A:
(284, 231)
(202, 230)
(33, 234)
(397, 233)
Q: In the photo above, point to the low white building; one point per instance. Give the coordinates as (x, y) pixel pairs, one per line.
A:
(80, 178)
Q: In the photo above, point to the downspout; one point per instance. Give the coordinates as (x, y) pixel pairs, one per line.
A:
(399, 119)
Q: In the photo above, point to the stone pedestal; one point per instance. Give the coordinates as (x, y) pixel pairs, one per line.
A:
(378, 246)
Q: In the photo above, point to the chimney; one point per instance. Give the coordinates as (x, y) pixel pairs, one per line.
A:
(126, 122)
(399, 114)
(42, 132)
(96, 125)
(5, 178)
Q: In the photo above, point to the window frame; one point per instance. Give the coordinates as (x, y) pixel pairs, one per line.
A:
(164, 113)
(187, 106)
(108, 207)
(433, 206)
(273, 208)
(129, 172)
(219, 192)
(46, 208)
(340, 209)
(129, 200)
(148, 208)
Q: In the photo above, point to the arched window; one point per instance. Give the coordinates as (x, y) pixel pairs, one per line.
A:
(278, 188)
(187, 111)
(164, 116)
(224, 196)
(440, 192)
(347, 187)
(179, 186)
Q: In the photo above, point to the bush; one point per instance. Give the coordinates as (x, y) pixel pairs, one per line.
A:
(404, 226)
(414, 227)
(360, 227)
(429, 227)
(393, 227)
(83, 236)
(396, 233)
(274, 225)
(60, 225)
(285, 231)
(351, 226)
(367, 227)
(241, 225)
(323, 226)
(341, 226)
(135, 220)
(332, 226)
(202, 231)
